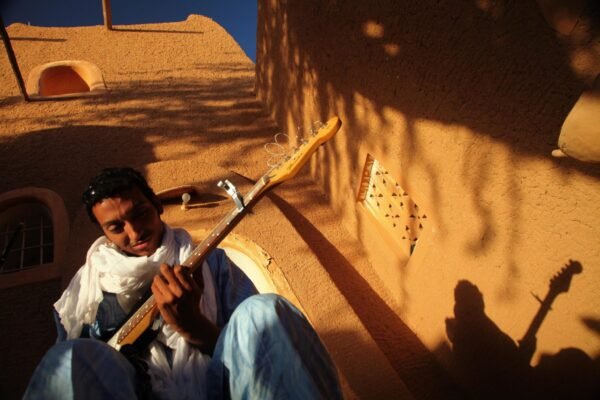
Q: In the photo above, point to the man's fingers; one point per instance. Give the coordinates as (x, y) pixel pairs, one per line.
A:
(167, 313)
(183, 276)
(161, 291)
(172, 281)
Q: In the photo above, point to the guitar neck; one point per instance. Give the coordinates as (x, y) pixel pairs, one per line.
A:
(527, 344)
(143, 318)
(536, 323)
(559, 283)
(224, 227)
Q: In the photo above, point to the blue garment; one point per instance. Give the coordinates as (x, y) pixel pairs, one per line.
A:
(84, 369)
(266, 350)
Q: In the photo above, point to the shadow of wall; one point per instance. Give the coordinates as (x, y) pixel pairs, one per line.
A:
(171, 97)
(462, 103)
(63, 165)
(407, 355)
(63, 159)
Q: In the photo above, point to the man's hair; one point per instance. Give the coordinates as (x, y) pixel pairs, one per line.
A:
(112, 182)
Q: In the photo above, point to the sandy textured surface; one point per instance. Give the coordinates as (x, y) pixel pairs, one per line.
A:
(181, 107)
(176, 90)
(462, 105)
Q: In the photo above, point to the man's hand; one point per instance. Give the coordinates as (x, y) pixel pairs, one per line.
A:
(177, 296)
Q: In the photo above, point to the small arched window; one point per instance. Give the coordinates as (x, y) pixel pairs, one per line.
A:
(26, 236)
(34, 229)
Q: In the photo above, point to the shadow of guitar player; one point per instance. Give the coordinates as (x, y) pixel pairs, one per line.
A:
(491, 365)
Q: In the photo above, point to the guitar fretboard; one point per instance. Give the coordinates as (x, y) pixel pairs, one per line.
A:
(290, 165)
(224, 227)
(194, 261)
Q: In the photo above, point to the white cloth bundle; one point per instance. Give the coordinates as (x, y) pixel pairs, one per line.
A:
(109, 269)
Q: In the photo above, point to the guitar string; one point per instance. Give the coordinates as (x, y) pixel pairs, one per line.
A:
(279, 151)
(276, 149)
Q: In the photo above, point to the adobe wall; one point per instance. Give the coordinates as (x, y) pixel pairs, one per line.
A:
(462, 105)
(27, 332)
(176, 90)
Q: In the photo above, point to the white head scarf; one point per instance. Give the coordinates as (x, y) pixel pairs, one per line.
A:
(109, 269)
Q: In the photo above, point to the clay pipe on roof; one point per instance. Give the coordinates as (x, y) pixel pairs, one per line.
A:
(13, 59)
(106, 12)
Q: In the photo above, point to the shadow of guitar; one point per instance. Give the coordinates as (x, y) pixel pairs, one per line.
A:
(491, 365)
(559, 283)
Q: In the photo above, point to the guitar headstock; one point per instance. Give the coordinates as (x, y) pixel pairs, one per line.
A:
(561, 282)
(291, 165)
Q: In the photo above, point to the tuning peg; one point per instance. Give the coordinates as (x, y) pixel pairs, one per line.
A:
(535, 296)
(185, 199)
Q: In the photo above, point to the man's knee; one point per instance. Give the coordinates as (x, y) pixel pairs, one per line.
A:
(267, 311)
(266, 302)
(81, 367)
(271, 351)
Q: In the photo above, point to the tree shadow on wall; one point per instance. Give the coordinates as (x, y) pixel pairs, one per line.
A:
(494, 69)
(159, 120)
(413, 362)
(63, 159)
(493, 366)
(459, 64)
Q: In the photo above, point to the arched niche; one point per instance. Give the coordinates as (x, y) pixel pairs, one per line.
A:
(36, 222)
(65, 79)
(255, 262)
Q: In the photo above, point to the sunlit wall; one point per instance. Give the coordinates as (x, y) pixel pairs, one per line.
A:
(462, 104)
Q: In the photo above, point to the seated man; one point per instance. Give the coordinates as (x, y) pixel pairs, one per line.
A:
(218, 339)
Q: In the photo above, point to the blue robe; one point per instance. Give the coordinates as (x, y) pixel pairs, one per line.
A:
(266, 350)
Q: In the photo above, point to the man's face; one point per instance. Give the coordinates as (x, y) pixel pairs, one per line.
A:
(130, 221)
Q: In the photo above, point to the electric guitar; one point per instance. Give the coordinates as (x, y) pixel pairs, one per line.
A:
(559, 283)
(144, 317)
